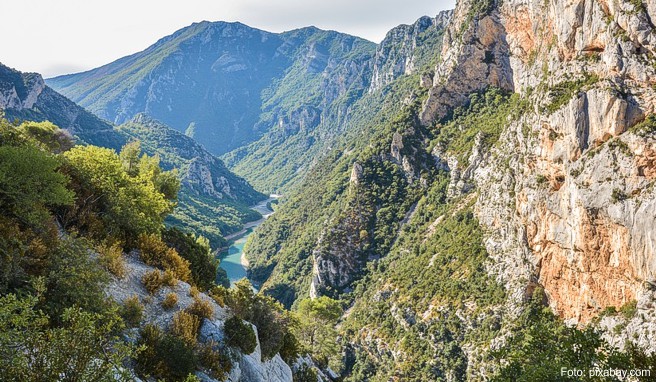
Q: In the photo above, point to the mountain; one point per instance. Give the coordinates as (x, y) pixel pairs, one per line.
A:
(471, 199)
(212, 81)
(492, 211)
(213, 201)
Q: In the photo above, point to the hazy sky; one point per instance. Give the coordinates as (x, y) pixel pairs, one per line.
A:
(64, 36)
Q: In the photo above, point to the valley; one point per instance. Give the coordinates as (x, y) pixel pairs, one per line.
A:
(470, 199)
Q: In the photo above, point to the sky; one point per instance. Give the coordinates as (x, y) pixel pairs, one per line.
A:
(66, 36)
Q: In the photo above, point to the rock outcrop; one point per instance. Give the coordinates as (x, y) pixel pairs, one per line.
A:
(245, 368)
(398, 53)
(475, 56)
(201, 173)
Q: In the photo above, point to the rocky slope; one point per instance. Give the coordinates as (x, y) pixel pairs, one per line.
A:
(201, 172)
(539, 121)
(25, 96)
(245, 367)
(398, 53)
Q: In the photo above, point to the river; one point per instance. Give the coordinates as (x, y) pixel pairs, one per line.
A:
(233, 260)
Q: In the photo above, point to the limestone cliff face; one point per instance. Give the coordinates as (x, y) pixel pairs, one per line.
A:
(474, 56)
(398, 53)
(567, 195)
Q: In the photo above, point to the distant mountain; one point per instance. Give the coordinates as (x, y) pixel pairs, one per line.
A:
(213, 201)
(228, 85)
(210, 80)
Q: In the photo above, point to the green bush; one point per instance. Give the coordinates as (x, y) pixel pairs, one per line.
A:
(240, 335)
(132, 311)
(74, 279)
(217, 362)
(111, 258)
(156, 279)
(30, 184)
(155, 252)
(185, 326)
(85, 346)
(305, 374)
(129, 203)
(272, 321)
(164, 355)
(200, 308)
(170, 301)
(197, 251)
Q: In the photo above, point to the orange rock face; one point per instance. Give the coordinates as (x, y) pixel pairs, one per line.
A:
(595, 273)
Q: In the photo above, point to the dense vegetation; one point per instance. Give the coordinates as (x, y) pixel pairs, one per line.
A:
(59, 205)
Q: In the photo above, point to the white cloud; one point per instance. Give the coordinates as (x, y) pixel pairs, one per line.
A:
(57, 37)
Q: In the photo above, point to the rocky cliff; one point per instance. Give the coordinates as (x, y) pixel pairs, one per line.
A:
(399, 52)
(539, 121)
(566, 195)
(25, 96)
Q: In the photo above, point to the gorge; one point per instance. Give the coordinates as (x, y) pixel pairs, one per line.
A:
(471, 199)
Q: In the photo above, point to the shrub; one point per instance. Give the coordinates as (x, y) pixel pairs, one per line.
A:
(194, 292)
(164, 355)
(185, 326)
(629, 309)
(153, 280)
(129, 203)
(305, 373)
(201, 308)
(178, 356)
(132, 311)
(240, 335)
(30, 183)
(74, 279)
(148, 362)
(646, 127)
(169, 279)
(197, 251)
(216, 362)
(111, 257)
(85, 345)
(157, 254)
(170, 301)
(220, 295)
(618, 195)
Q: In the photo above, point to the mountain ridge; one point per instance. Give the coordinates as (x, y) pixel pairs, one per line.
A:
(211, 59)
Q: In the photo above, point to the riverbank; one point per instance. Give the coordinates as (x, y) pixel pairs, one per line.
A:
(233, 259)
